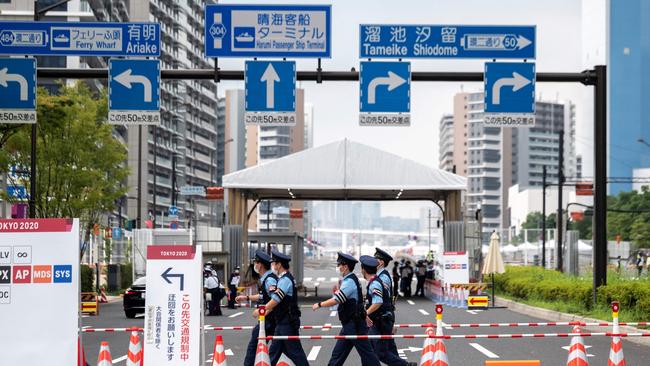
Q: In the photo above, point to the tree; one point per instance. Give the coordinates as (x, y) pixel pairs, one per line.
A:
(81, 166)
(629, 216)
(534, 221)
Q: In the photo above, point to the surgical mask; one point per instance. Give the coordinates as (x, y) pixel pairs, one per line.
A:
(256, 268)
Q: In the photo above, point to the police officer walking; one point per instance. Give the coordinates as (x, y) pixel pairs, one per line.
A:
(380, 311)
(352, 315)
(267, 284)
(383, 259)
(284, 307)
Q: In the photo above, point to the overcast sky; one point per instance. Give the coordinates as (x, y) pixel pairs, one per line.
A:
(559, 32)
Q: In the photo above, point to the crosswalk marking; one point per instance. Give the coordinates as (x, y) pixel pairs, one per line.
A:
(235, 315)
(483, 350)
(313, 353)
(410, 302)
(423, 312)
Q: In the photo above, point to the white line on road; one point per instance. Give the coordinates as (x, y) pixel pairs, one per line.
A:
(119, 359)
(410, 302)
(313, 353)
(84, 327)
(333, 313)
(229, 352)
(327, 325)
(139, 315)
(235, 314)
(483, 350)
(307, 279)
(473, 312)
(423, 312)
(320, 279)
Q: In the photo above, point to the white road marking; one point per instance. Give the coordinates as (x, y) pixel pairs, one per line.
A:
(483, 350)
(313, 353)
(423, 312)
(586, 348)
(473, 312)
(333, 313)
(334, 279)
(327, 329)
(446, 326)
(119, 359)
(410, 302)
(85, 316)
(400, 353)
(307, 279)
(139, 315)
(229, 352)
(236, 314)
(84, 327)
(320, 279)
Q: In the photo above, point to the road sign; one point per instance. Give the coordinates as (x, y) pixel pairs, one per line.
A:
(39, 259)
(193, 191)
(173, 211)
(446, 41)
(477, 301)
(270, 93)
(80, 39)
(268, 30)
(17, 192)
(134, 92)
(17, 90)
(385, 91)
(174, 291)
(510, 94)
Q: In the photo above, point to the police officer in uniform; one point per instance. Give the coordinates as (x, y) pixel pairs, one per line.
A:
(267, 285)
(284, 307)
(383, 259)
(352, 315)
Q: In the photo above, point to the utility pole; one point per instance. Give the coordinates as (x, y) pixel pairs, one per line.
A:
(558, 219)
(174, 179)
(155, 172)
(544, 216)
(138, 223)
(429, 241)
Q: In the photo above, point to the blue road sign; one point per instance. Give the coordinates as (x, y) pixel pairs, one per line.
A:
(134, 91)
(385, 87)
(446, 41)
(270, 86)
(268, 30)
(17, 192)
(173, 211)
(510, 92)
(83, 39)
(17, 90)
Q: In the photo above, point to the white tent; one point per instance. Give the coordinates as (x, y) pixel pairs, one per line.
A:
(345, 170)
(584, 247)
(509, 248)
(528, 247)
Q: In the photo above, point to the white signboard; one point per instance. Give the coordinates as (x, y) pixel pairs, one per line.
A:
(39, 291)
(172, 325)
(455, 267)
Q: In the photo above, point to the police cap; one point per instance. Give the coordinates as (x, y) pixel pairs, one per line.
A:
(368, 261)
(262, 256)
(279, 257)
(346, 259)
(381, 254)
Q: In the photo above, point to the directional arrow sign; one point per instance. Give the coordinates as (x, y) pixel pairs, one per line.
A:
(17, 90)
(510, 94)
(166, 276)
(270, 93)
(385, 93)
(134, 91)
(391, 81)
(477, 301)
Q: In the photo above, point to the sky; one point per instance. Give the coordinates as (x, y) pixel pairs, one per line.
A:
(559, 49)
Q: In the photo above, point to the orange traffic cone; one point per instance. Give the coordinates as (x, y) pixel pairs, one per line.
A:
(285, 361)
(262, 357)
(81, 353)
(434, 352)
(134, 355)
(577, 351)
(616, 357)
(104, 358)
(219, 353)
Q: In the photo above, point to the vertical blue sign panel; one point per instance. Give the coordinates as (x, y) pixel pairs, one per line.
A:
(509, 87)
(270, 86)
(446, 41)
(268, 30)
(134, 85)
(385, 87)
(17, 83)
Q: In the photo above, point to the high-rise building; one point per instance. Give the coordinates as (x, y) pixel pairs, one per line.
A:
(493, 159)
(629, 89)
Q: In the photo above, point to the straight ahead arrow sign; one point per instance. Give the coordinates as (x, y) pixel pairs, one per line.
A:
(270, 76)
(166, 276)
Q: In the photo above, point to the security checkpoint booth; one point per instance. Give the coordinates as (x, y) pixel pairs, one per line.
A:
(341, 170)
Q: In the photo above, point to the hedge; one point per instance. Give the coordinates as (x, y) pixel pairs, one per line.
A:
(87, 279)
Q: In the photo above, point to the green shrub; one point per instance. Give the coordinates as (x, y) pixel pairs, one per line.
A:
(87, 278)
(126, 275)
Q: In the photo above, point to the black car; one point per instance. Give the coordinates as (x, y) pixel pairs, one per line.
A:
(134, 298)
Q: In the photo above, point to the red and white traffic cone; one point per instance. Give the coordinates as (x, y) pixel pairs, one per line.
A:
(577, 350)
(81, 353)
(219, 353)
(262, 357)
(285, 361)
(616, 356)
(102, 296)
(104, 357)
(134, 355)
(434, 352)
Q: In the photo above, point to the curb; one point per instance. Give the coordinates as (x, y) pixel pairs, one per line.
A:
(556, 316)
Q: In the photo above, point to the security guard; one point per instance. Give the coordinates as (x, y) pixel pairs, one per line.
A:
(384, 259)
(380, 311)
(351, 314)
(267, 285)
(284, 306)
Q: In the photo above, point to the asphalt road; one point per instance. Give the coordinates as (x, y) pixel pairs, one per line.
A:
(551, 351)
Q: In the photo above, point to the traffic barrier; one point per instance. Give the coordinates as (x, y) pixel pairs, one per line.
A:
(104, 357)
(458, 336)
(102, 297)
(616, 357)
(262, 357)
(577, 351)
(219, 353)
(134, 355)
(89, 303)
(514, 363)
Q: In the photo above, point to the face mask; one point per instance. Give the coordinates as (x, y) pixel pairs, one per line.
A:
(256, 268)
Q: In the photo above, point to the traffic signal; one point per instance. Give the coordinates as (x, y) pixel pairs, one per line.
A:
(213, 193)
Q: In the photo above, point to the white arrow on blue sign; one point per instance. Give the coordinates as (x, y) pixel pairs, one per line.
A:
(385, 93)
(270, 93)
(134, 92)
(17, 90)
(510, 94)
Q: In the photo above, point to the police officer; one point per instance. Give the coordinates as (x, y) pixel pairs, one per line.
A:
(351, 314)
(383, 259)
(267, 284)
(380, 311)
(284, 307)
(233, 283)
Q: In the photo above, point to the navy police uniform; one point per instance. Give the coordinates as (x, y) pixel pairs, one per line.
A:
(382, 318)
(352, 315)
(388, 283)
(266, 286)
(287, 316)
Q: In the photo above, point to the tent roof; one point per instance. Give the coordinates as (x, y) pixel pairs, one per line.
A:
(344, 170)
